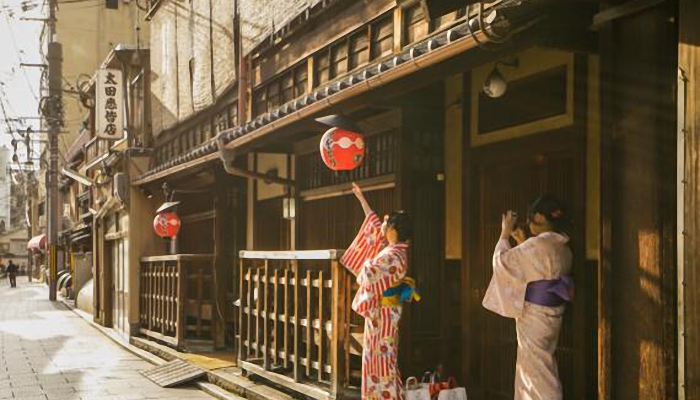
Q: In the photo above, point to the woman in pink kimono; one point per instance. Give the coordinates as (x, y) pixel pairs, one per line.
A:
(378, 257)
(531, 283)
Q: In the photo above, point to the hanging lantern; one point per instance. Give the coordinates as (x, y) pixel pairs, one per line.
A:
(166, 224)
(342, 150)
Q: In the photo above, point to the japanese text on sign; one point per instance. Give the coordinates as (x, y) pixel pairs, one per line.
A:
(108, 118)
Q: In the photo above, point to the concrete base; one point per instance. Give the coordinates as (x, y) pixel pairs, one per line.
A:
(83, 300)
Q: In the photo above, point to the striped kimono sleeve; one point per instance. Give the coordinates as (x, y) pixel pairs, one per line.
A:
(367, 244)
(386, 271)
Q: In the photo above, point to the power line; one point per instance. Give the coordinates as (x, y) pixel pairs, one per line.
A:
(17, 52)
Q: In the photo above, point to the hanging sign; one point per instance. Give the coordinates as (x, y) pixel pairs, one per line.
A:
(166, 224)
(108, 105)
(342, 150)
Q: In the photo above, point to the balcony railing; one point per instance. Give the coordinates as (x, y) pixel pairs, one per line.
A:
(176, 296)
(295, 320)
(95, 148)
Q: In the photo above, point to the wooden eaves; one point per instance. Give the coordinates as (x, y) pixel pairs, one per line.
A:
(429, 52)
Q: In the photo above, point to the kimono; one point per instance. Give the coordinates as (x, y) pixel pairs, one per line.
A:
(544, 257)
(378, 266)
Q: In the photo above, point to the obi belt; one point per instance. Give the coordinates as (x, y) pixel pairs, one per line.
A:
(550, 292)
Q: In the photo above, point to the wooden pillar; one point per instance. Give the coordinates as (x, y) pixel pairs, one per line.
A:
(223, 262)
(689, 126)
(638, 207)
(421, 194)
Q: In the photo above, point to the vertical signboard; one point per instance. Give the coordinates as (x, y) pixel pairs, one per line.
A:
(108, 105)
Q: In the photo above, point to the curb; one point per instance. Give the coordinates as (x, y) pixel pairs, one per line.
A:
(209, 388)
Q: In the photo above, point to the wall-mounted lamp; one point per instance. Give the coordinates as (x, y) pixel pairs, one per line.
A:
(495, 84)
(289, 209)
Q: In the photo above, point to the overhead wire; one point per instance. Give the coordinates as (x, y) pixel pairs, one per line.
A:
(17, 52)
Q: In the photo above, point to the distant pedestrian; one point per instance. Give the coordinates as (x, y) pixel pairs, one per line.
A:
(12, 270)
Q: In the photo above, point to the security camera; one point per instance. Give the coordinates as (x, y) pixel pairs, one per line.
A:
(495, 84)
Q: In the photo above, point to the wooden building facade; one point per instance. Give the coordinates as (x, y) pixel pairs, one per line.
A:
(591, 112)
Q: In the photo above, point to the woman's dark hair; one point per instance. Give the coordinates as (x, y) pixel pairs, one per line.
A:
(554, 211)
(401, 222)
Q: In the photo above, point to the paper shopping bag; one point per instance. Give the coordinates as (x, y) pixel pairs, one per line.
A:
(416, 391)
(453, 394)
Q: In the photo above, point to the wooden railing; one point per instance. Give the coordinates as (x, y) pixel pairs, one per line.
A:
(95, 148)
(176, 298)
(295, 320)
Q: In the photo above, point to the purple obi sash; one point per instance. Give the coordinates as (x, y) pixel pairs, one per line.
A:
(550, 293)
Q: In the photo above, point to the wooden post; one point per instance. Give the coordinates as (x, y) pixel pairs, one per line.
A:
(249, 317)
(257, 313)
(339, 334)
(321, 325)
(181, 293)
(287, 317)
(309, 323)
(261, 292)
(398, 30)
(200, 298)
(296, 334)
(689, 239)
(220, 267)
(242, 329)
(275, 329)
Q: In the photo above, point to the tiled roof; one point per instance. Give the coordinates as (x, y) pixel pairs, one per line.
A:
(407, 55)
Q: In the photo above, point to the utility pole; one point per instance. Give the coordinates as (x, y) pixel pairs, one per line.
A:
(52, 110)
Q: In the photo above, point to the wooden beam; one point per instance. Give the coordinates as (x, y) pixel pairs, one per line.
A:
(623, 10)
(308, 390)
(577, 41)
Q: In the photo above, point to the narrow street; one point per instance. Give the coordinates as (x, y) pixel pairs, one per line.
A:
(48, 353)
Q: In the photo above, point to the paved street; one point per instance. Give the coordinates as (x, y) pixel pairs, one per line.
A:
(49, 353)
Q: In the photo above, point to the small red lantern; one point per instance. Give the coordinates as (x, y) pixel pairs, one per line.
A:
(342, 150)
(167, 224)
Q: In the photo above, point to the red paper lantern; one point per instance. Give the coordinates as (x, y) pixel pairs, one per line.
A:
(342, 150)
(166, 224)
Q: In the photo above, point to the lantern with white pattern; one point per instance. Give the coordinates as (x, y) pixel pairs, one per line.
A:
(342, 150)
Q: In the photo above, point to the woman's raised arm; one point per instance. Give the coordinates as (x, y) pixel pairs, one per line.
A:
(361, 197)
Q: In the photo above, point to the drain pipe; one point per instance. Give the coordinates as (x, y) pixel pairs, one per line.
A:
(228, 156)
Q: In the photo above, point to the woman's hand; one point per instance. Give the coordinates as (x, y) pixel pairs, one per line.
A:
(357, 191)
(361, 197)
(519, 236)
(508, 221)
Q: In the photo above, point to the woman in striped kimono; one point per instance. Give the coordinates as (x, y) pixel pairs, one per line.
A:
(378, 257)
(531, 283)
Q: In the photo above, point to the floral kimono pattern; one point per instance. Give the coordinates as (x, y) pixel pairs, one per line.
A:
(377, 266)
(543, 257)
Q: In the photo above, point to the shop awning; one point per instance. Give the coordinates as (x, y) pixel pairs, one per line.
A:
(37, 243)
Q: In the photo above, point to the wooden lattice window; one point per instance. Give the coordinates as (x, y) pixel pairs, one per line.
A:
(207, 129)
(382, 42)
(184, 142)
(415, 24)
(233, 114)
(446, 20)
(287, 87)
(273, 94)
(359, 50)
(195, 139)
(380, 160)
(322, 67)
(339, 59)
(260, 101)
(301, 78)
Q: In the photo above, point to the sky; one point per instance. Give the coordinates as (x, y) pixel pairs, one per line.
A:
(19, 87)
